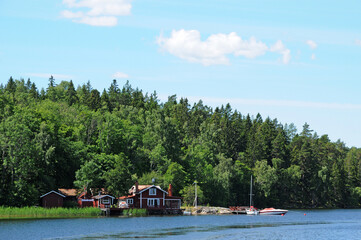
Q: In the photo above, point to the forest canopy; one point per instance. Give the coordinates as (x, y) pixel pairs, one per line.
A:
(67, 137)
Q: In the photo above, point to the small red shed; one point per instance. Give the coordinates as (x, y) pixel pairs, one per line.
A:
(103, 201)
(52, 199)
(85, 199)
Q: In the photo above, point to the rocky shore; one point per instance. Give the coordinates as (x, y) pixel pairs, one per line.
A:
(202, 210)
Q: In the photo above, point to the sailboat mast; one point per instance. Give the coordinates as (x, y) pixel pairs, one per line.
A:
(250, 195)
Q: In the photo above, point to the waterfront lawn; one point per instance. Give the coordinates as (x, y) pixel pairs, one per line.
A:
(39, 212)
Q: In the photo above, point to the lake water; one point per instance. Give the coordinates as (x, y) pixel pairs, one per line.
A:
(316, 224)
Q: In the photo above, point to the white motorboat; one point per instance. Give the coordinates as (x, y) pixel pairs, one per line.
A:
(272, 211)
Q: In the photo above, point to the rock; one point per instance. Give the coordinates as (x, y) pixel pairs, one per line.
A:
(224, 211)
(210, 210)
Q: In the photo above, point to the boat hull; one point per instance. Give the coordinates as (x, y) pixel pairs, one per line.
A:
(273, 212)
(252, 212)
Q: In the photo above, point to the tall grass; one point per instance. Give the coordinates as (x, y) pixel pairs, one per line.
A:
(39, 212)
(136, 212)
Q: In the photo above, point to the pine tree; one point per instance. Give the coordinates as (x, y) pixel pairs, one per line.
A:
(71, 95)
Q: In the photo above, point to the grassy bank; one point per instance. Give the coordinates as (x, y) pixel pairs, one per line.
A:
(39, 212)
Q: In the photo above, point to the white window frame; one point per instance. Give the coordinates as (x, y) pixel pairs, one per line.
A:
(106, 201)
(151, 202)
(130, 201)
(152, 191)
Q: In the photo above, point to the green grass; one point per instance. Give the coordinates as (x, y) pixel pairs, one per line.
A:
(39, 212)
(136, 212)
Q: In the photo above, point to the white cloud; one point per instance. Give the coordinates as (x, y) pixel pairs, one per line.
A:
(313, 56)
(311, 44)
(120, 75)
(47, 75)
(187, 44)
(358, 42)
(280, 48)
(107, 21)
(100, 13)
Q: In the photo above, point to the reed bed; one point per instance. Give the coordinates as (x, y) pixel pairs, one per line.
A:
(135, 212)
(39, 212)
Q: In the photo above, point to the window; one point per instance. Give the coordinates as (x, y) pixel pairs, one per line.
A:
(130, 201)
(153, 191)
(153, 202)
(105, 201)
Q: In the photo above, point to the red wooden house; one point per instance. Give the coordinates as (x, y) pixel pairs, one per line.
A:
(52, 199)
(82, 199)
(103, 201)
(151, 197)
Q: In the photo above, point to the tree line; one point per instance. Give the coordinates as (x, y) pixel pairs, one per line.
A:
(66, 137)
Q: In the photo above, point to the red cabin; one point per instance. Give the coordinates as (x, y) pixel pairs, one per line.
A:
(103, 201)
(85, 200)
(150, 197)
(52, 199)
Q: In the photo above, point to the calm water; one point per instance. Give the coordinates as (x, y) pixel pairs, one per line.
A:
(316, 224)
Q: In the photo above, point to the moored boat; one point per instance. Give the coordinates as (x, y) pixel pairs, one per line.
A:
(272, 211)
(252, 211)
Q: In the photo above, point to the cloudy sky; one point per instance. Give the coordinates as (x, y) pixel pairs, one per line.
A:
(297, 61)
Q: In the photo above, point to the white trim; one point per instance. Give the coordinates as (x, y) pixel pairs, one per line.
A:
(152, 191)
(152, 187)
(102, 196)
(53, 192)
(87, 200)
(141, 201)
(163, 199)
(152, 200)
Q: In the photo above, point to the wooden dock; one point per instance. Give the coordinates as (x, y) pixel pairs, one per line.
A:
(238, 209)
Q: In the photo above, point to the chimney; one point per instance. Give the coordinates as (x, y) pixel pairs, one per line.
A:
(136, 187)
(170, 190)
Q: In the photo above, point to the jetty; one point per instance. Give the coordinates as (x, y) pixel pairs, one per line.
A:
(238, 209)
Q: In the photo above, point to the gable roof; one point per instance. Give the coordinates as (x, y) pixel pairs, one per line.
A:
(52, 191)
(71, 192)
(152, 186)
(102, 196)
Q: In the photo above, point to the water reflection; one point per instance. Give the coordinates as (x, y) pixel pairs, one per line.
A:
(186, 230)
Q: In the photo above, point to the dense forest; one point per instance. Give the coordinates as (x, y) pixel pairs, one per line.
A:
(65, 137)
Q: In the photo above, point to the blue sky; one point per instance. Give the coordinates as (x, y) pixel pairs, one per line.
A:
(297, 61)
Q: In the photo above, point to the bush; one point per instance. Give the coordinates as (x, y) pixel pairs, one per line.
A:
(135, 212)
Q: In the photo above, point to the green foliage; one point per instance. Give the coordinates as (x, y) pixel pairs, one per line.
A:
(135, 212)
(64, 138)
(188, 195)
(175, 175)
(118, 178)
